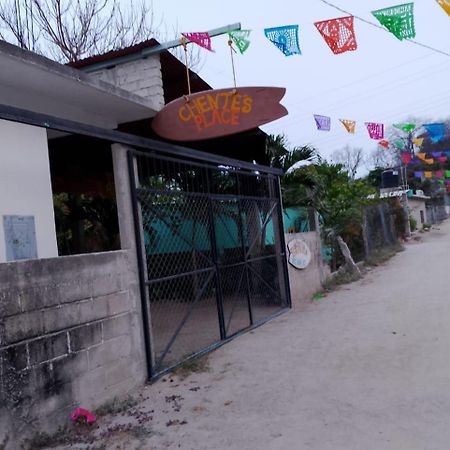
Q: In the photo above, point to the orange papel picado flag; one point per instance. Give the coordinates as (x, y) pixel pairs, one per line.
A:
(428, 174)
(445, 5)
(349, 125)
(421, 155)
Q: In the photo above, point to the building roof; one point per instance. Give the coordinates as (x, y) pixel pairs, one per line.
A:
(35, 83)
(172, 69)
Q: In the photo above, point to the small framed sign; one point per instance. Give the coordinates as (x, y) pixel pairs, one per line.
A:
(20, 237)
(299, 254)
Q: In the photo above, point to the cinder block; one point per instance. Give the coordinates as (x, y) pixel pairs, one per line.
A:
(117, 326)
(22, 326)
(119, 372)
(90, 386)
(46, 382)
(14, 357)
(71, 367)
(63, 317)
(108, 352)
(85, 336)
(112, 304)
(9, 302)
(48, 348)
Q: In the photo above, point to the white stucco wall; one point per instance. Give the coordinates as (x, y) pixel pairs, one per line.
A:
(415, 206)
(25, 186)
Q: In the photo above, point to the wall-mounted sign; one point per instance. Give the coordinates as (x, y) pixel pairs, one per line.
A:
(20, 237)
(389, 194)
(221, 112)
(299, 254)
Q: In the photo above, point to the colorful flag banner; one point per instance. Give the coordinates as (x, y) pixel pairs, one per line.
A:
(240, 39)
(447, 153)
(323, 122)
(203, 39)
(439, 174)
(447, 174)
(338, 33)
(436, 154)
(284, 38)
(421, 155)
(441, 181)
(417, 142)
(418, 174)
(436, 131)
(429, 161)
(376, 130)
(428, 174)
(445, 5)
(399, 144)
(399, 20)
(384, 144)
(406, 127)
(416, 161)
(349, 125)
(406, 157)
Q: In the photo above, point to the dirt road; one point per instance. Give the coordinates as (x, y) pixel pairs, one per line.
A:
(366, 368)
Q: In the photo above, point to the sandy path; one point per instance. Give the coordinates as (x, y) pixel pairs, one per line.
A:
(366, 368)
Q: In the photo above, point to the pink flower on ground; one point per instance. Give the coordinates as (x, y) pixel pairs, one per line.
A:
(80, 412)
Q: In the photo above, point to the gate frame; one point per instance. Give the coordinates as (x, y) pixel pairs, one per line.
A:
(207, 161)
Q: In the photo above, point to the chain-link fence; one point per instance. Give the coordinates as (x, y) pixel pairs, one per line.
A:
(213, 257)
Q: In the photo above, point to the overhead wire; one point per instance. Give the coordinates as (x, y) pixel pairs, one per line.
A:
(373, 24)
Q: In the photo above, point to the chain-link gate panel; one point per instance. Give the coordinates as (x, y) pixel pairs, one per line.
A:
(212, 253)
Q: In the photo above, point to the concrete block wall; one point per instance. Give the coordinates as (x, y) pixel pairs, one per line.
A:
(305, 282)
(70, 335)
(142, 77)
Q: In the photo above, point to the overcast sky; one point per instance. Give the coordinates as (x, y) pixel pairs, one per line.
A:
(384, 80)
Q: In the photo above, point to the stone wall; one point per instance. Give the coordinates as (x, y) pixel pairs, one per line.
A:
(305, 282)
(70, 335)
(142, 77)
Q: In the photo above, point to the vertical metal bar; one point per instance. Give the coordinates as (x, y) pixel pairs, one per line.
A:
(212, 235)
(244, 251)
(282, 242)
(139, 250)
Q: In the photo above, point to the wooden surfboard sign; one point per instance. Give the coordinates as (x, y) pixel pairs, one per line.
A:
(215, 113)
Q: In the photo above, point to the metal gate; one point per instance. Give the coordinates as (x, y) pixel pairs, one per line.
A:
(211, 252)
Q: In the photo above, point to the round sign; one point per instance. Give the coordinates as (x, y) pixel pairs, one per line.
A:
(299, 254)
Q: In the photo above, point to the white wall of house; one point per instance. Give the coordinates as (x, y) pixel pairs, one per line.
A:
(25, 186)
(418, 210)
